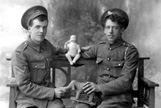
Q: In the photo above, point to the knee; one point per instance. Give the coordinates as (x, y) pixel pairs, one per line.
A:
(102, 106)
(82, 106)
(59, 106)
(56, 104)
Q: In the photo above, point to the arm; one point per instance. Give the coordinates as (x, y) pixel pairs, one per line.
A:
(56, 50)
(85, 48)
(89, 52)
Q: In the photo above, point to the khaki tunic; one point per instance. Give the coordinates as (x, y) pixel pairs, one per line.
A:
(117, 65)
(31, 65)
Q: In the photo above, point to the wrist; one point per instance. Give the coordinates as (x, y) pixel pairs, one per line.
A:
(99, 88)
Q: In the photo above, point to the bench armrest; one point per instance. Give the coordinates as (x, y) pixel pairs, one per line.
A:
(12, 83)
(149, 83)
(146, 92)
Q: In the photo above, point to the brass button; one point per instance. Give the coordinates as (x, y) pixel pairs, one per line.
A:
(109, 76)
(119, 64)
(108, 69)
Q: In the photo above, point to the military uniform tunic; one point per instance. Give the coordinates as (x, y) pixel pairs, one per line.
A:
(117, 65)
(31, 65)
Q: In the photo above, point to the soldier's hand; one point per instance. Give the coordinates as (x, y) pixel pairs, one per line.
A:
(90, 87)
(86, 48)
(59, 92)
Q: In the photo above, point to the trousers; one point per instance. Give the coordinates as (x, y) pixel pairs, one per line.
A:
(57, 103)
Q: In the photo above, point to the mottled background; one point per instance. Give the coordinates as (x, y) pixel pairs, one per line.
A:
(82, 17)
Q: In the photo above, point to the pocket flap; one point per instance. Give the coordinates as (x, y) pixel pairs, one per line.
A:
(99, 60)
(38, 65)
(118, 63)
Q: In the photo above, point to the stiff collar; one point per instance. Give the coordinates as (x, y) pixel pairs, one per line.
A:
(37, 47)
(116, 44)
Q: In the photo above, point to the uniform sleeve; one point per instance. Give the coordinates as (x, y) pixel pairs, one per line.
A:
(22, 74)
(90, 53)
(57, 50)
(124, 82)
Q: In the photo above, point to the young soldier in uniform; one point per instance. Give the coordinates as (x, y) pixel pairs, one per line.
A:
(31, 63)
(117, 62)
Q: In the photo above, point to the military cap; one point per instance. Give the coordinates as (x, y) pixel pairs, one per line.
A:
(118, 12)
(32, 13)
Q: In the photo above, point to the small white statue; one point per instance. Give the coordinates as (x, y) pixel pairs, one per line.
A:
(73, 50)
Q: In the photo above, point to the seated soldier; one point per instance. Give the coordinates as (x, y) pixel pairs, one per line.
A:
(116, 61)
(31, 63)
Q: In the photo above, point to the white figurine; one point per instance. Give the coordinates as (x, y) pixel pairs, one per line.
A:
(73, 50)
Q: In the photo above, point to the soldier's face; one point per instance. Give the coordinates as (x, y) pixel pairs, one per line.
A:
(38, 30)
(112, 31)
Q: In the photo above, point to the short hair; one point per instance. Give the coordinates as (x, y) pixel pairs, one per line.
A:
(115, 18)
(116, 15)
(40, 18)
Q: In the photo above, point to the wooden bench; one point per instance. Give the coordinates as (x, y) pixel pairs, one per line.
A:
(144, 94)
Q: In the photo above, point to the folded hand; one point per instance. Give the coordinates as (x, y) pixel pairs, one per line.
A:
(60, 92)
(90, 87)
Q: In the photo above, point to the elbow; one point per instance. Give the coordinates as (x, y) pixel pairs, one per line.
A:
(127, 85)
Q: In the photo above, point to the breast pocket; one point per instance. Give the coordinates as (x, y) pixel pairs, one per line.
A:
(117, 67)
(38, 72)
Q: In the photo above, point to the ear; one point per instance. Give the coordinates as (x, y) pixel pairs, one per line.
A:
(29, 29)
(122, 30)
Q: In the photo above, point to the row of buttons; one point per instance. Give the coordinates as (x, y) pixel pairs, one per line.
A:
(108, 60)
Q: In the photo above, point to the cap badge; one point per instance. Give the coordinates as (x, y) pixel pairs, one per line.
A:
(110, 13)
(38, 11)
